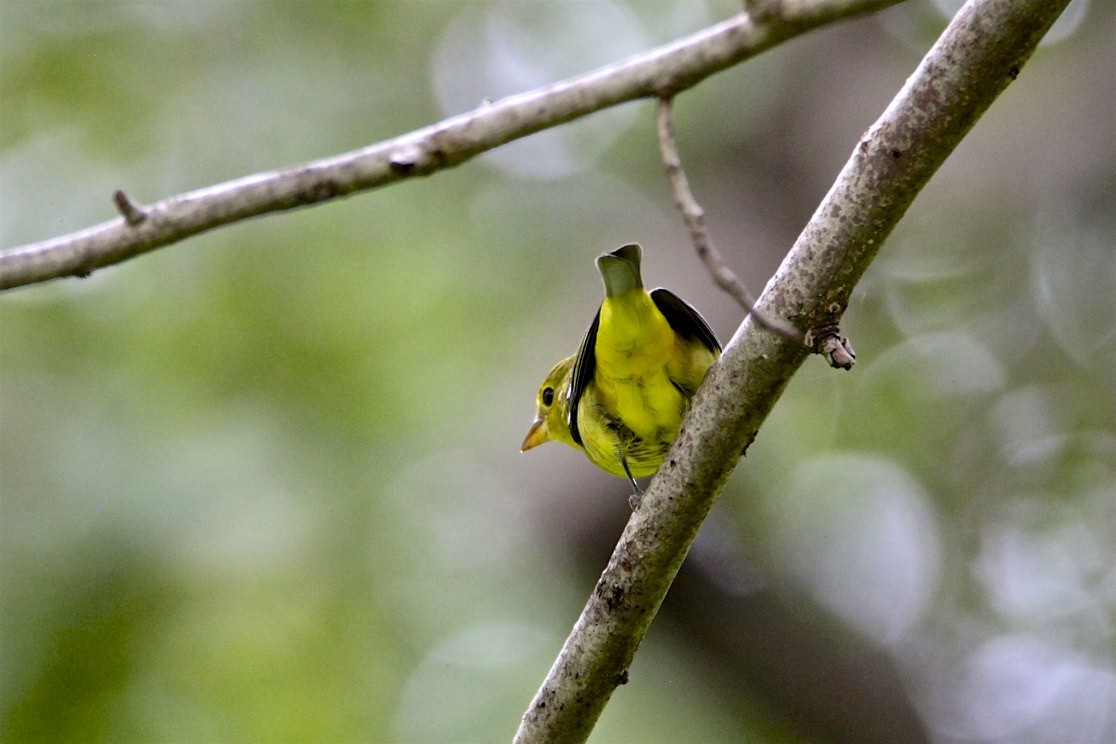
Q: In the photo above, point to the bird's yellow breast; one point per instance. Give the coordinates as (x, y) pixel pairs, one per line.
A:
(635, 352)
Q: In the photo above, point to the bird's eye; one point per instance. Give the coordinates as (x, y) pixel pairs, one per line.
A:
(548, 396)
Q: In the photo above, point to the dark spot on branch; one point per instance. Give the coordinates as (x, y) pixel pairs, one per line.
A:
(896, 154)
(405, 160)
(1013, 72)
(322, 190)
(622, 678)
(613, 597)
(439, 157)
(744, 450)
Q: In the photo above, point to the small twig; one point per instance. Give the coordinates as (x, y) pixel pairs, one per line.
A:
(828, 341)
(694, 217)
(133, 214)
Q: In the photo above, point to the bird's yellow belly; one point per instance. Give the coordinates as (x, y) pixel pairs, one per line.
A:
(636, 411)
(635, 418)
(647, 403)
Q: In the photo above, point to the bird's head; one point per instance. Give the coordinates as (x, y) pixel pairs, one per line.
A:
(552, 409)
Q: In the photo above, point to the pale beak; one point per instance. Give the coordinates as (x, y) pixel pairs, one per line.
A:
(536, 435)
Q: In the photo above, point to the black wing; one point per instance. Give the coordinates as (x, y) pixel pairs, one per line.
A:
(685, 321)
(584, 366)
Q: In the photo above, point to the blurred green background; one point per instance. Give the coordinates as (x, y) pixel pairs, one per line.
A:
(263, 485)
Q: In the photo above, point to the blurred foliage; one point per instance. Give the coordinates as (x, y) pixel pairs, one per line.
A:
(263, 485)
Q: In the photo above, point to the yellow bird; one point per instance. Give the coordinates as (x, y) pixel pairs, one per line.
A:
(622, 396)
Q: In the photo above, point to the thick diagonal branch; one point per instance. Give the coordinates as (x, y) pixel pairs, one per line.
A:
(976, 58)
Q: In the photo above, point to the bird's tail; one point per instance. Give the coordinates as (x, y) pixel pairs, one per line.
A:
(620, 269)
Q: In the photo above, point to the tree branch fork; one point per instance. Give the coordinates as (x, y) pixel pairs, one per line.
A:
(983, 49)
(974, 60)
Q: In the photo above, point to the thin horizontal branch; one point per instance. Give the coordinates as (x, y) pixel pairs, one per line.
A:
(974, 60)
(656, 73)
